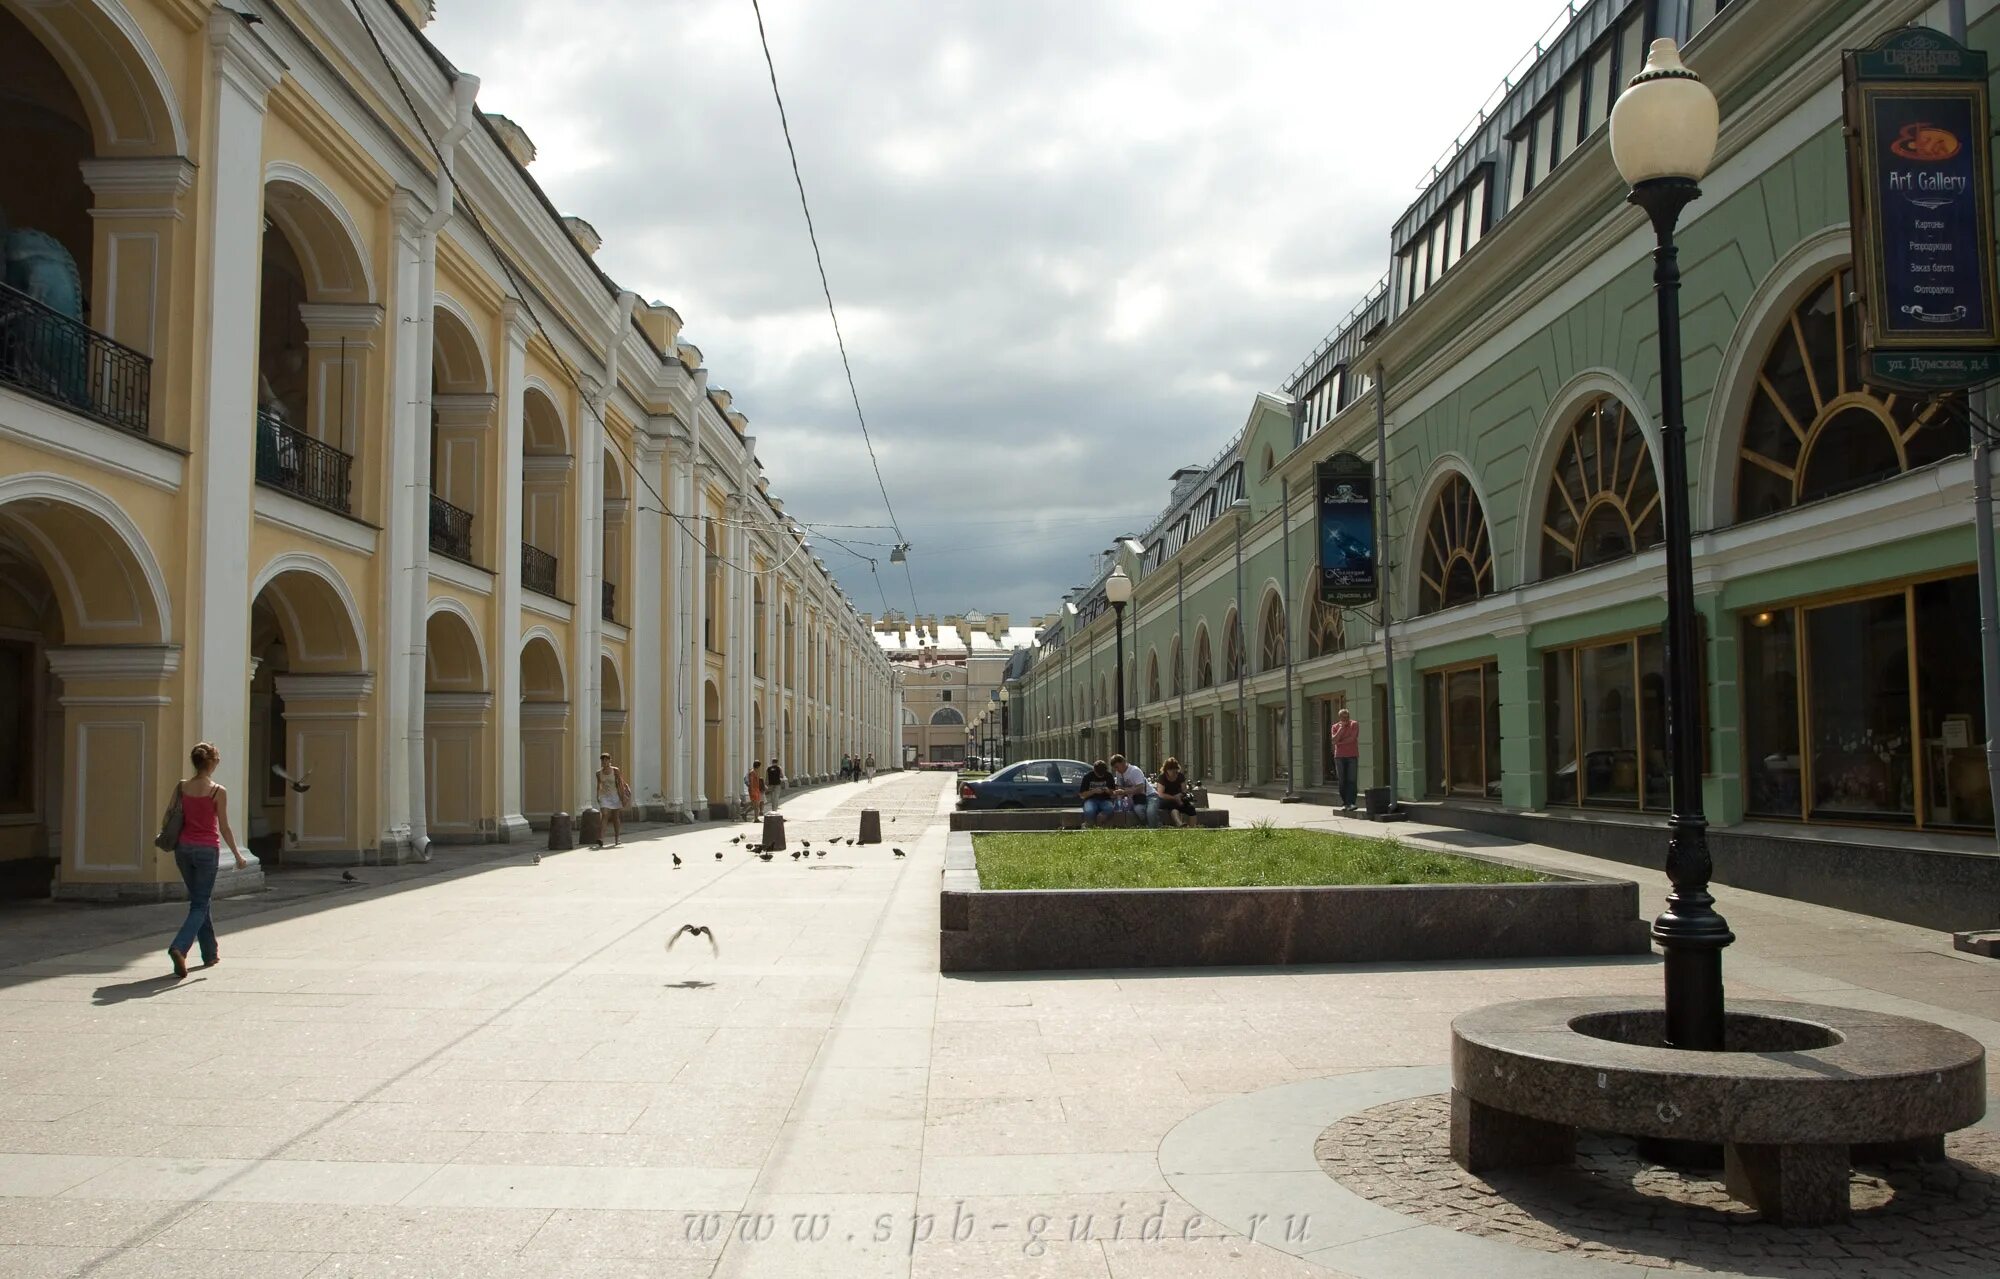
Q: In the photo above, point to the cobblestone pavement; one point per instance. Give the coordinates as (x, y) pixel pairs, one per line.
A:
(1915, 1219)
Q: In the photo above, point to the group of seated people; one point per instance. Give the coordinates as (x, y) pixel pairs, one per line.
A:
(1119, 789)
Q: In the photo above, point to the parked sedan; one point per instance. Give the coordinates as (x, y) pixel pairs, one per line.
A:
(1037, 783)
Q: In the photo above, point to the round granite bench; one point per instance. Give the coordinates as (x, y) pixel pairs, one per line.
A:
(1802, 1090)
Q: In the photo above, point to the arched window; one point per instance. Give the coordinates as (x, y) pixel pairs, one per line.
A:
(1153, 676)
(1102, 699)
(1174, 668)
(1326, 624)
(1814, 430)
(1604, 496)
(1271, 636)
(1458, 555)
(946, 715)
(1204, 664)
(909, 718)
(1232, 647)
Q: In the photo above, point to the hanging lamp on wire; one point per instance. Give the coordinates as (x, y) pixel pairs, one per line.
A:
(899, 553)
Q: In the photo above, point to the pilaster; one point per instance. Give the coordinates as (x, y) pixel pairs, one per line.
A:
(675, 685)
(137, 230)
(647, 648)
(325, 716)
(1523, 780)
(508, 503)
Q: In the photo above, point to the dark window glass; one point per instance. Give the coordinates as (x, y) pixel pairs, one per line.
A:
(1610, 723)
(17, 726)
(1559, 724)
(1434, 777)
(1859, 685)
(1771, 717)
(1952, 715)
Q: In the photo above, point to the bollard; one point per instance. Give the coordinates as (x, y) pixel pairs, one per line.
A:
(774, 833)
(590, 827)
(559, 837)
(871, 826)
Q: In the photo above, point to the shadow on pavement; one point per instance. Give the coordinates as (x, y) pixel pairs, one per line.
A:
(144, 988)
(1440, 965)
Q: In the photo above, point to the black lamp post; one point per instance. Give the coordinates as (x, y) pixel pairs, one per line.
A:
(1118, 591)
(1663, 131)
(1006, 751)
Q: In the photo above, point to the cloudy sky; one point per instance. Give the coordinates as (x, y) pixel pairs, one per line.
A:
(1069, 239)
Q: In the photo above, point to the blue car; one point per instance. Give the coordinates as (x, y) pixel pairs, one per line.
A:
(1035, 783)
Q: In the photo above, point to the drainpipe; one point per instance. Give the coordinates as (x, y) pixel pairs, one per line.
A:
(1385, 589)
(1242, 508)
(1180, 663)
(464, 89)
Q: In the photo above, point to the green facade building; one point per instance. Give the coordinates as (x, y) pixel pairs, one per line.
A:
(1509, 360)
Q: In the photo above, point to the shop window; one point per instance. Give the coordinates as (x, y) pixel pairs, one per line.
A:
(1868, 709)
(1604, 709)
(1462, 731)
(1815, 430)
(1457, 563)
(1604, 496)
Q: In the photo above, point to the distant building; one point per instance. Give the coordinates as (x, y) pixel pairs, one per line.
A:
(951, 670)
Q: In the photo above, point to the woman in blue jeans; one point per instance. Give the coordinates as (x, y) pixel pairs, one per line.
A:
(204, 828)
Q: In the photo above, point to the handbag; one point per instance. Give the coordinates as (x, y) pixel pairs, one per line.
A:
(624, 792)
(169, 837)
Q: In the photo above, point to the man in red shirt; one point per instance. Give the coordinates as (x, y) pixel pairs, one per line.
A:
(1346, 757)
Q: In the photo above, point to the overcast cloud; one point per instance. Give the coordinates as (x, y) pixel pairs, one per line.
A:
(1069, 241)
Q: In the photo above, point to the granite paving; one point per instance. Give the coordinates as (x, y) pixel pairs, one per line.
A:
(487, 1066)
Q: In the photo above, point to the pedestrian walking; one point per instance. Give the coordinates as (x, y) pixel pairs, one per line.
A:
(870, 765)
(1346, 739)
(753, 786)
(613, 794)
(197, 825)
(774, 781)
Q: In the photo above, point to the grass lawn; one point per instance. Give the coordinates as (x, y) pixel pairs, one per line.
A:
(1251, 858)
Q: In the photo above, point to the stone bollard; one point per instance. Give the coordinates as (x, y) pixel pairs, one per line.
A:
(590, 827)
(559, 837)
(774, 833)
(871, 826)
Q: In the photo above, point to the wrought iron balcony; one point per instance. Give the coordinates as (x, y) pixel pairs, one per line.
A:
(451, 530)
(291, 460)
(538, 570)
(608, 607)
(66, 362)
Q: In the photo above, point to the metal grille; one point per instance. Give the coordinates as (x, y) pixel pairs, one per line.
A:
(609, 602)
(538, 569)
(451, 530)
(289, 459)
(65, 362)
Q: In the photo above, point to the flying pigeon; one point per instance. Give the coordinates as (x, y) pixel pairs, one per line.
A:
(348, 875)
(677, 861)
(301, 783)
(695, 930)
(897, 851)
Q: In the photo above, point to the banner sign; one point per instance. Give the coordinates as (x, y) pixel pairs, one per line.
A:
(1920, 185)
(1346, 530)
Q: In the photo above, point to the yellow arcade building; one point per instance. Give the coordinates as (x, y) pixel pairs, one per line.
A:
(322, 438)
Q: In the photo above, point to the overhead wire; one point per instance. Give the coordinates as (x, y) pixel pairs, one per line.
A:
(819, 260)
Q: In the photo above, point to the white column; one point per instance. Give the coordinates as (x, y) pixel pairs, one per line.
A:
(585, 691)
(400, 685)
(677, 718)
(244, 72)
(646, 650)
(508, 504)
(695, 506)
(735, 644)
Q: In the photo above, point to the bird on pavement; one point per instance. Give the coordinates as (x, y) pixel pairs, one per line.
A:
(765, 857)
(677, 861)
(538, 859)
(796, 854)
(348, 875)
(897, 851)
(756, 848)
(718, 854)
(695, 930)
(737, 840)
(820, 853)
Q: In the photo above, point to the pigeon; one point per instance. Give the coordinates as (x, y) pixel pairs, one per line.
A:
(348, 875)
(897, 851)
(820, 853)
(538, 859)
(718, 854)
(756, 848)
(301, 783)
(677, 860)
(796, 854)
(737, 840)
(695, 930)
(765, 857)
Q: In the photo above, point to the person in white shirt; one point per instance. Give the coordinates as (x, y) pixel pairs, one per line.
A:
(1132, 789)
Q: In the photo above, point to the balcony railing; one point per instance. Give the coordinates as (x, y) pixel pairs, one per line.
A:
(609, 606)
(538, 569)
(289, 459)
(66, 362)
(451, 530)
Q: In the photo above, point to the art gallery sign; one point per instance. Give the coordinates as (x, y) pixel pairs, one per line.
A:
(1920, 184)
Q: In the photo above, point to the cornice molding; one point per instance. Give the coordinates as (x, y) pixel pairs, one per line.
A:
(115, 661)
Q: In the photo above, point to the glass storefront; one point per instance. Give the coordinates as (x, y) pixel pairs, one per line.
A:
(1604, 708)
(1462, 730)
(1867, 708)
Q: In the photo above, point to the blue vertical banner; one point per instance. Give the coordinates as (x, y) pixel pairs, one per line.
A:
(1346, 522)
(1920, 181)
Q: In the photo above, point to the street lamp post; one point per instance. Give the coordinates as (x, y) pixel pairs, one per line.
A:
(1118, 591)
(1663, 131)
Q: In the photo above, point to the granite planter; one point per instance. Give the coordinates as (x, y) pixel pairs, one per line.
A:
(1032, 819)
(985, 930)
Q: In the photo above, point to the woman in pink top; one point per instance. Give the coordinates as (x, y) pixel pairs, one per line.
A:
(204, 827)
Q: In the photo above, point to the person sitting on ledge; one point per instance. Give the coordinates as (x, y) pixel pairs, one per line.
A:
(1099, 792)
(1134, 792)
(1170, 796)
